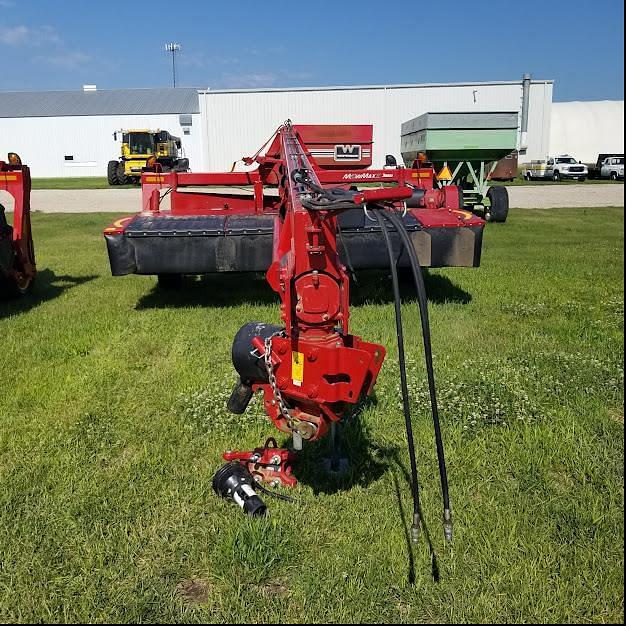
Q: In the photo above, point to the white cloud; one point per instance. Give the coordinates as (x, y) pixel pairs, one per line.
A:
(68, 60)
(58, 54)
(28, 36)
(249, 80)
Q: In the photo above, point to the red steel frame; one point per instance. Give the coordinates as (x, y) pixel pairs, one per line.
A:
(220, 194)
(15, 180)
(319, 369)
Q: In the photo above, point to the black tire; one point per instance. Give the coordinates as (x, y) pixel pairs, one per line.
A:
(556, 177)
(112, 173)
(528, 176)
(10, 288)
(122, 179)
(499, 209)
(181, 165)
(613, 175)
(170, 281)
(582, 179)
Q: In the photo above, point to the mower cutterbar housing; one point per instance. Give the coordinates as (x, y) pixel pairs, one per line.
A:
(226, 222)
(17, 253)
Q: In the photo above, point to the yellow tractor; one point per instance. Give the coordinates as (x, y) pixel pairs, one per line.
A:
(140, 145)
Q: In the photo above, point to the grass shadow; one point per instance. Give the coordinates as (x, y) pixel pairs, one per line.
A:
(363, 466)
(210, 290)
(375, 287)
(231, 289)
(367, 463)
(47, 286)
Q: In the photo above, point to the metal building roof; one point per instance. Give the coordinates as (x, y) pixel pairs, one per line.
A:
(368, 87)
(98, 102)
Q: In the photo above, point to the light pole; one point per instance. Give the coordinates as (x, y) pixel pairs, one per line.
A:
(173, 48)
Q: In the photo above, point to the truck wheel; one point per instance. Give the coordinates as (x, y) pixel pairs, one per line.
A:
(122, 179)
(499, 209)
(112, 173)
(556, 177)
(613, 175)
(169, 281)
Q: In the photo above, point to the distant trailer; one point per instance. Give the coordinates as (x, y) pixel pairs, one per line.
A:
(465, 149)
(506, 168)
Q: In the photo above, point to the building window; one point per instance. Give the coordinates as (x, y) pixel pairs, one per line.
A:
(69, 157)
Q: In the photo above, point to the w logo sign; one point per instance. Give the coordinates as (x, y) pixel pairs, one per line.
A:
(347, 152)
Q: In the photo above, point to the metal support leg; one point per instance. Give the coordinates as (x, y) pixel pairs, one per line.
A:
(337, 463)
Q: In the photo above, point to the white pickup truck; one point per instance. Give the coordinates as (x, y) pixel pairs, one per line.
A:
(556, 168)
(612, 168)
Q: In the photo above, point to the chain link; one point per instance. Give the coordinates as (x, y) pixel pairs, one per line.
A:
(278, 396)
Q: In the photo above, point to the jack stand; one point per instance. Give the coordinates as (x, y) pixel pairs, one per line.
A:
(336, 464)
(296, 443)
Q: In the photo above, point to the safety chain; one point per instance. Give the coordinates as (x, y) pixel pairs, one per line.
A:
(284, 411)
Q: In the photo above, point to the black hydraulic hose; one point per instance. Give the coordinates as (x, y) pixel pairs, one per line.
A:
(403, 379)
(274, 494)
(416, 268)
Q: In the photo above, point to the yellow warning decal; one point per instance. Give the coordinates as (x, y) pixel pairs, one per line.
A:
(155, 179)
(297, 368)
(445, 174)
(8, 177)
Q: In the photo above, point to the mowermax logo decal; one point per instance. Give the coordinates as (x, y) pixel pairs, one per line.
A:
(347, 152)
(366, 176)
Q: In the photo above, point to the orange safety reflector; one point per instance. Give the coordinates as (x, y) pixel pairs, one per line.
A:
(8, 177)
(155, 179)
(445, 174)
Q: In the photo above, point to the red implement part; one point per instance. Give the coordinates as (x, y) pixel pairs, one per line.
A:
(269, 464)
(319, 369)
(20, 270)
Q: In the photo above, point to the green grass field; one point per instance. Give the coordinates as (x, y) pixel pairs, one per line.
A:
(84, 182)
(112, 423)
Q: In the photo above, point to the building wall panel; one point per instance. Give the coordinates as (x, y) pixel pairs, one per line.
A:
(44, 142)
(587, 129)
(236, 123)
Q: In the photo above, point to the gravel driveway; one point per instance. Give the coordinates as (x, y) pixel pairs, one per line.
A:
(128, 200)
(553, 196)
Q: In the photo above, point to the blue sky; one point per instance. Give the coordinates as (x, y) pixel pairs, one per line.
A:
(62, 45)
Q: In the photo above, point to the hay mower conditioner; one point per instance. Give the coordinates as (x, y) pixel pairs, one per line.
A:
(17, 253)
(310, 370)
(228, 222)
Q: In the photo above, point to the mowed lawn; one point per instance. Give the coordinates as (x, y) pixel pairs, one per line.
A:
(112, 423)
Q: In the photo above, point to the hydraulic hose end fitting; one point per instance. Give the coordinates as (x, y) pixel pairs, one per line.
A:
(415, 529)
(447, 524)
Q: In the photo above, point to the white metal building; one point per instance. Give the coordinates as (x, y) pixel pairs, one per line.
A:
(236, 123)
(587, 129)
(70, 133)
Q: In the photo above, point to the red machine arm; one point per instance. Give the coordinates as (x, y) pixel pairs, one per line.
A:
(17, 254)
